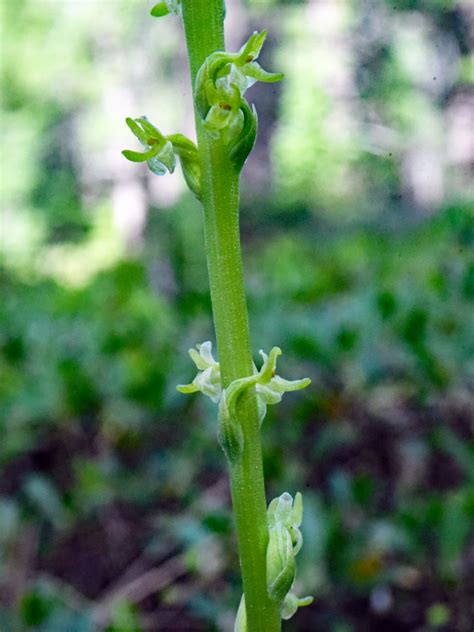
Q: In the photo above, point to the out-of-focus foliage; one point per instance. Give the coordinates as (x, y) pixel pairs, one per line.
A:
(358, 234)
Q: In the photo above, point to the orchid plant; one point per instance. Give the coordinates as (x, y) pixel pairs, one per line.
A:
(226, 127)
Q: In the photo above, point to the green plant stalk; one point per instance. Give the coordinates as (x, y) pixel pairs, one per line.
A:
(203, 22)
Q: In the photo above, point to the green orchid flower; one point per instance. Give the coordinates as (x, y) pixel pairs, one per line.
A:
(283, 511)
(224, 117)
(281, 563)
(221, 83)
(291, 603)
(159, 154)
(270, 387)
(284, 517)
(244, 71)
(208, 378)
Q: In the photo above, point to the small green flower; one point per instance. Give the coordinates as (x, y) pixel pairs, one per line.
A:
(161, 151)
(284, 517)
(220, 85)
(270, 387)
(224, 118)
(284, 511)
(208, 378)
(244, 70)
(159, 154)
(269, 390)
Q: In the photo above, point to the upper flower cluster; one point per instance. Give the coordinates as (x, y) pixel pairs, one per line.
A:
(220, 85)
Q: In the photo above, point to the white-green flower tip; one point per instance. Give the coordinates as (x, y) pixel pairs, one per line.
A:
(284, 517)
(168, 6)
(288, 608)
(270, 387)
(240, 624)
(291, 603)
(161, 151)
(208, 378)
(289, 514)
(158, 154)
(220, 85)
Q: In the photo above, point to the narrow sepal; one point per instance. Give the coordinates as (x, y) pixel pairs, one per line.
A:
(136, 156)
(256, 72)
(252, 47)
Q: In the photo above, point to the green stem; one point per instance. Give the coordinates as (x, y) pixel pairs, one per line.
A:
(203, 22)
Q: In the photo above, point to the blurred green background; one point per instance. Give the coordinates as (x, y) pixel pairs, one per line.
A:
(358, 235)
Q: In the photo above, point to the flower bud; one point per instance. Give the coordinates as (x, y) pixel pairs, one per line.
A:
(229, 433)
(281, 565)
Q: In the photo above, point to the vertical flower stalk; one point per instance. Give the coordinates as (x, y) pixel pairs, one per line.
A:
(226, 127)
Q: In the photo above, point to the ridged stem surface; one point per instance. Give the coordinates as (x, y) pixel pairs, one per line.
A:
(204, 28)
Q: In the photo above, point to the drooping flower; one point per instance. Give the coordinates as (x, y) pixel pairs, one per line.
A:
(208, 378)
(159, 154)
